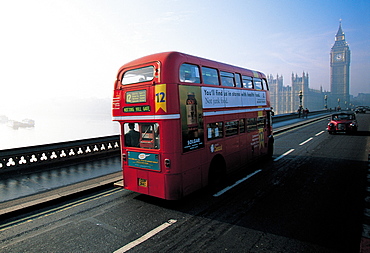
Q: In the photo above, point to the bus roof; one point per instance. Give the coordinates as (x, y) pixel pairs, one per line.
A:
(177, 58)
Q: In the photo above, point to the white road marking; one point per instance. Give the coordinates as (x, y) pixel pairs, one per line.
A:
(285, 154)
(236, 183)
(309, 139)
(145, 237)
(319, 133)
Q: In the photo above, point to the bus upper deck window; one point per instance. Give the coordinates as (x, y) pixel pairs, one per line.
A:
(189, 73)
(247, 82)
(257, 83)
(227, 79)
(238, 80)
(210, 76)
(264, 83)
(138, 75)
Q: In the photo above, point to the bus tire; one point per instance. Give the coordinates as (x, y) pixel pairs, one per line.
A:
(217, 172)
(270, 148)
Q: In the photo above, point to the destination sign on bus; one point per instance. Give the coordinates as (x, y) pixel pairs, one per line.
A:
(137, 96)
(144, 108)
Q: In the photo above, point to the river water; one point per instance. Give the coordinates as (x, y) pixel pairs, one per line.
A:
(54, 129)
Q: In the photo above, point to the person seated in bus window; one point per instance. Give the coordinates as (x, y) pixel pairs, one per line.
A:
(132, 137)
(189, 78)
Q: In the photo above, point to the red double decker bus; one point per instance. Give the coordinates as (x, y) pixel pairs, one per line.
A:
(186, 122)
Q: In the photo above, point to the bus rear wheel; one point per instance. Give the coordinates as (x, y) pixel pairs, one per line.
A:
(270, 149)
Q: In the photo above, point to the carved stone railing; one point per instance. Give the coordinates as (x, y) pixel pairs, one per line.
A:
(59, 153)
(293, 115)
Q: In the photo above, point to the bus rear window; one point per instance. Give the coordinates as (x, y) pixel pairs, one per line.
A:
(141, 135)
(138, 75)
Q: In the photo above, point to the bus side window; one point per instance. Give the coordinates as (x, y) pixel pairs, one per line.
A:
(210, 76)
(247, 82)
(189, 73)
(214, 130)
(227, 79)
(257, 83)
(231, 128)
(251, 124)
(265, 85)
(242, 126)
(261, 122)
(238, 79)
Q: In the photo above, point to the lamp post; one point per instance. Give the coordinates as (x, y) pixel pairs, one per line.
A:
(326, 102)
(300, 95)
(338, 104)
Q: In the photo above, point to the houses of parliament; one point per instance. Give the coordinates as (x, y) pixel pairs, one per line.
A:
(287, 99)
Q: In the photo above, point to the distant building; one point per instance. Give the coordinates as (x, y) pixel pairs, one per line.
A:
(362, 99)
(286, 99)
(280, 95)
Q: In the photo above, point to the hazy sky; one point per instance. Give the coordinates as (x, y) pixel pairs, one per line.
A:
(56, 48)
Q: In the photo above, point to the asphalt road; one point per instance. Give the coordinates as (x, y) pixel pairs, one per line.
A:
(309, 199)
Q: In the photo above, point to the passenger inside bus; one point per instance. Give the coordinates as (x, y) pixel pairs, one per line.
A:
(132, 137)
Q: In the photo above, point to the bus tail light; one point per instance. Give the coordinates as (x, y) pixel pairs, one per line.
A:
(167, 163)
(123, 156)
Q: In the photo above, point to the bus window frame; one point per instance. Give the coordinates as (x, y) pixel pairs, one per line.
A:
(261, 122)
(265, 84)
(242, 128)
(205, 78)
(144, 142)
(227, 79)
(213, 128)
(140, 80)
(231, 128)
(250, 84)
(238, 80)
(192, 79)
(255, 83)
(251, 124)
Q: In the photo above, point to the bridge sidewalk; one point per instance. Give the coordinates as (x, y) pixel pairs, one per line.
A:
(56, 194)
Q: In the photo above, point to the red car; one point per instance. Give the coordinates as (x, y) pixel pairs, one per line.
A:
(342, 122)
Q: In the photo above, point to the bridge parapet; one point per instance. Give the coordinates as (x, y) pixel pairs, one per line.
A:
(293, 115)
(64, 152)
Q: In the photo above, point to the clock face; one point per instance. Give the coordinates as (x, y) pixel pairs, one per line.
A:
(338, 57)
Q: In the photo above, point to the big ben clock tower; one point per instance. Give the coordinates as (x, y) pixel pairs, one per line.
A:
(339, 70)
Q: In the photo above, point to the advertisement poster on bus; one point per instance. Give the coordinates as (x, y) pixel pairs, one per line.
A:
(191, 117)
(223, 97)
